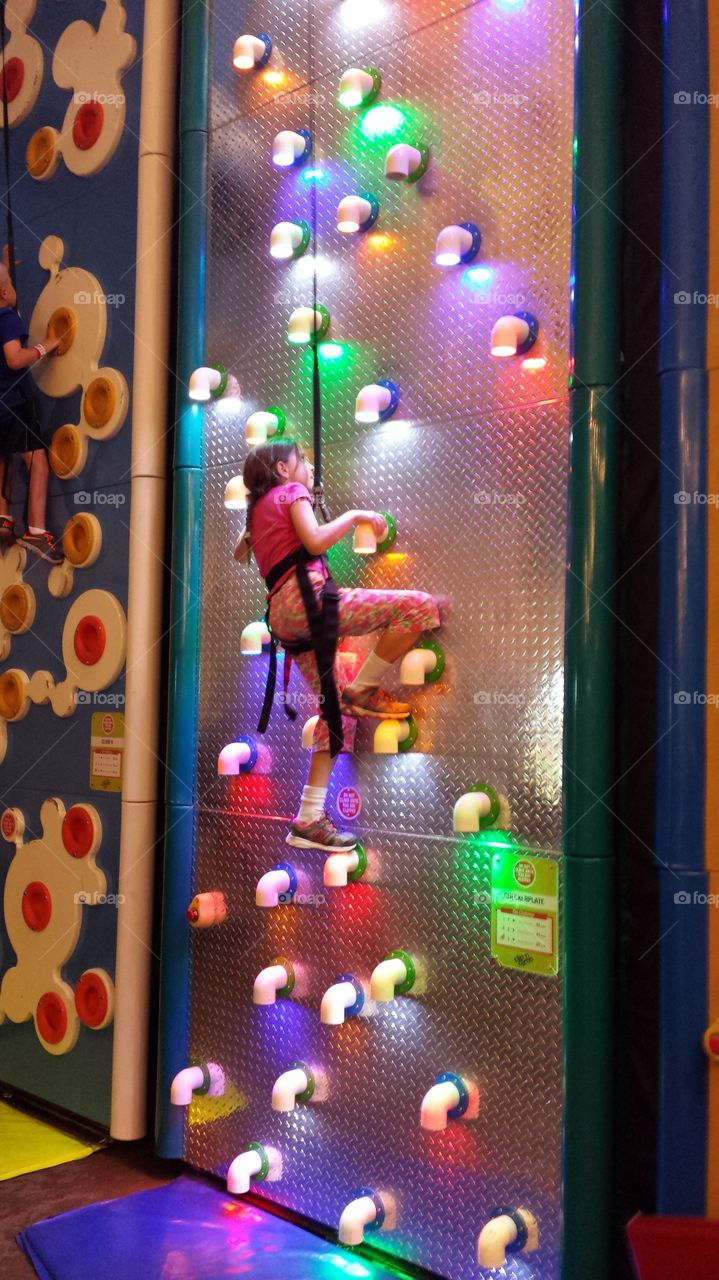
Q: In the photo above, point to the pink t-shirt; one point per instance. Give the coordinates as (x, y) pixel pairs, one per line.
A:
(273, 533)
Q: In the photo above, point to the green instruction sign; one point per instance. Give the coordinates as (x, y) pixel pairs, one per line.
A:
(525, 912)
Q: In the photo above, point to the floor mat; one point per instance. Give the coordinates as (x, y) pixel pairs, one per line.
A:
(184, 1231)
(28, 1144)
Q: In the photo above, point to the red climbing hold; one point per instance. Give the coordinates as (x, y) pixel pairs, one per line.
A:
(91, 999)
(87, 125)
(36, 906)
(90, 640)
(78, 831)
(13, 76)
(51, 1018)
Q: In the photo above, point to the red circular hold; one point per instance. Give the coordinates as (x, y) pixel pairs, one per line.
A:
(7, 823)
(87, 125)
(91, 1000)
(713, 1043)
(90, 639)
(13, 76)
(78, 831)
(36, 906)
(193, 915)
(51, 1017)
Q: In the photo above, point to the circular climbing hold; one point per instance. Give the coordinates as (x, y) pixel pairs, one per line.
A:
(78, 831)
(65, 451)
(42, 155)
(80, 539)
(94, 998)
(87, 125)
(51, 1018)
(408, 742)
(12, 824)
(89, 640)
(98, 404)
(13, 75)
(17, 608)
(389, 541)
(63, 325)
(12, 694)
(36, 906)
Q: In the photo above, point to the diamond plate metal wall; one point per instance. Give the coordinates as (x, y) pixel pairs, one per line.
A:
(473, 467)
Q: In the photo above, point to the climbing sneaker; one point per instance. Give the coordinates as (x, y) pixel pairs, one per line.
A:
(375, 703)
(321, 834)
(7, 531)
(42, 545)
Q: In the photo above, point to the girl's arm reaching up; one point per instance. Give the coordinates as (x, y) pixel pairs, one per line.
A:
(318, 538)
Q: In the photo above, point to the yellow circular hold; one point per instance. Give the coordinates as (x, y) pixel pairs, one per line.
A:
(63, 325)
(65, 451)
(17, 608)
(42, 155)
(99, 401)
(13, 694)
(82, 539)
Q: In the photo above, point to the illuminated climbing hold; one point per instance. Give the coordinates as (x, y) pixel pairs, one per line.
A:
(451, 1097)
(250, 53)
(394, 976)
(359, 86)
(207, 910)
(405, 163)
(344, 999)
(365, 542)
(514, 335)
(237, 757)
(291, 147)
(89, 640)
(289, 240)
(341, 867)
(236, 494)
(478, 808)
(255, 1164)
(254, 636)
(209, 382)
(264, 424)
(376, 402)
(424, 664)
(510, 1231)
(457, 244)
(307, 324)
(275, 982)
(392, 736)
(365, 1212)
(357, 213)
(204, 1079)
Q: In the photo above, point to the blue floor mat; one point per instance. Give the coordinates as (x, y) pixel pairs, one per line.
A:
(184, 1231)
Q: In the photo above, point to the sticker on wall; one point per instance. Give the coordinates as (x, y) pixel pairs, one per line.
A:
(49, 883)
(349, 804)
(107, 743)
(24, 62)
(525, 912)
(73, 308)
(91, 64)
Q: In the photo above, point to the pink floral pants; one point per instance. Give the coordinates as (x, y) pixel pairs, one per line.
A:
(360, 612)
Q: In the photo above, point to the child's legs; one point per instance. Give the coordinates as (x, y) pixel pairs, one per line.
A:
(38, 471)
(307, 664)
(5, 478)
(402, 616)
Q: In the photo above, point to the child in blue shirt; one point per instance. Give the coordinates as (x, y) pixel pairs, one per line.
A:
(20, 425)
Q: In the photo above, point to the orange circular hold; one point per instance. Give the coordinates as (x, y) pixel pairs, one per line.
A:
(89, 640)
(78, 831)
(99, 402)
(41, 152)
(78, 539)
(36, 906)
(51, 1017)
(12, 695)
(15, 607)
(713, 1045)
(87, 125)
(13, 76)
(91, 999)
(65, 451)
(63, 325)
